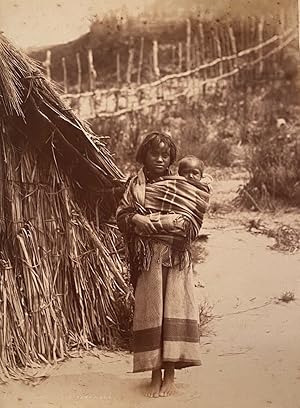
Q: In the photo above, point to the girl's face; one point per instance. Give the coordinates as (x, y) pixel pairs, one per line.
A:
(157, 160)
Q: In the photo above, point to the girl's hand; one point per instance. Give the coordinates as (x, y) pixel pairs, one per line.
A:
(143, 225)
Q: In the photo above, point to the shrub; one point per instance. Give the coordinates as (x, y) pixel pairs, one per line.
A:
(198, 128)
(274, 166)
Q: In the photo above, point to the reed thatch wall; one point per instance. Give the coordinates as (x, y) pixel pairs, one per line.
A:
(60, 275)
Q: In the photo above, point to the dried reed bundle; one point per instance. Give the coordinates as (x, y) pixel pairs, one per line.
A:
(60, 273)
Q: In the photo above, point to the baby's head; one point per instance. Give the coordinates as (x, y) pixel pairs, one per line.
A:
(191, 167)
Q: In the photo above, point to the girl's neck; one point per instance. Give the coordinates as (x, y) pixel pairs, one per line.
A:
(151, 177)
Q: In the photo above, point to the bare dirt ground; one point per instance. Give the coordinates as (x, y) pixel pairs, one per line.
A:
(251, 353)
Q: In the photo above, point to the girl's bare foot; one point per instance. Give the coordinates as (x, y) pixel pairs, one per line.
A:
(168, 386)
(155, 385)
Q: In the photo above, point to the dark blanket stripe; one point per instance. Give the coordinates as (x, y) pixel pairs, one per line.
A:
(180, 330)
(173, 330)
(147, 340)
(182, 364)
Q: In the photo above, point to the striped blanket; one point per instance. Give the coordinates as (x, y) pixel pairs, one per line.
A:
(166, 317)
(175, 194)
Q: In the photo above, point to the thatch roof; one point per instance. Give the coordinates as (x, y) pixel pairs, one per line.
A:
(29, 102)
(60, 274)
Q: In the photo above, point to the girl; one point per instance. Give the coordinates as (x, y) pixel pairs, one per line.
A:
(165, 324)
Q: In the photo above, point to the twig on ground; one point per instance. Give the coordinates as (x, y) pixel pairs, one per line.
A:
(245, 310)
(235, 352)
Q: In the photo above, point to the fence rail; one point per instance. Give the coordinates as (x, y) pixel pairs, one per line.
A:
(119, 101)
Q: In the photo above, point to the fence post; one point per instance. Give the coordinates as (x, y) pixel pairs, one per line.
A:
(150, 65)
(141, 57)
(47, 64)
(79, 73)
(260, 40)
(130, 61)
(118, 68)
(65, 74)
(92, 71)
(180, 57)
(247, 29)
(242, 44)
(173, 55)
(188, 44)
(197, 51)
(252, 29)
(233, 46)
(218, 49)
(155, 59)
(212, 71)
(201, 42)
(225, 40)
(202, 48)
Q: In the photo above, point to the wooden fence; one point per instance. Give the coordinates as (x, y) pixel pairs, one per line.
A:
(105, 58)
(240, 66)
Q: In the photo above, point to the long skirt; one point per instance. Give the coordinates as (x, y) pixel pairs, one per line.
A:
(166, 318)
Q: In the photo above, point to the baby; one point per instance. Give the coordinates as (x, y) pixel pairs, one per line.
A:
(192, 168)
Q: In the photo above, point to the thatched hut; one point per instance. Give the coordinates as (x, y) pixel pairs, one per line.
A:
(60, 274)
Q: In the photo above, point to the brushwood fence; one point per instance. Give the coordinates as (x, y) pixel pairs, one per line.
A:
(193, 83)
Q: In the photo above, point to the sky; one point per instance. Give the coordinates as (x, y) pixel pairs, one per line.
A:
(31, 23)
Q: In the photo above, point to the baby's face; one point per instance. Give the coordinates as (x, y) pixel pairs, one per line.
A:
(190, 170)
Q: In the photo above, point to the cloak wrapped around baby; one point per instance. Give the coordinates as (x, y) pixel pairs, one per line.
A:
(174, 204)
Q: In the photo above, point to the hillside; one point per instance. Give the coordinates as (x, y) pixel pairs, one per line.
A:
(165, 22)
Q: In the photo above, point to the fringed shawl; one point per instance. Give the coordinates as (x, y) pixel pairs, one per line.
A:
(169, 194)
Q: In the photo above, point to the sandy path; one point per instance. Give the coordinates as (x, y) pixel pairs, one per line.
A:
(254, 359)
(251, 360)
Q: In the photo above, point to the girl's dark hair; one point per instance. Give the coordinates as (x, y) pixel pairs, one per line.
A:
(152, 140)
